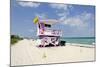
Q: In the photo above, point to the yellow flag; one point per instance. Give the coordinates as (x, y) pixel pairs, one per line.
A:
(35, 20)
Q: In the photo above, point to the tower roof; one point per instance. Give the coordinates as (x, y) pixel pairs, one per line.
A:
(48, 21)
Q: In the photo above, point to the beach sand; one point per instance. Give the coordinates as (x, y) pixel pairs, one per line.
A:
(26, 53)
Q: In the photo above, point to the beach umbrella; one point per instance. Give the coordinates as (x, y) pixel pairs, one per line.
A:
(36, 20)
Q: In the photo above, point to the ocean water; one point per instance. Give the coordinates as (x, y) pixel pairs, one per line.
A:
(79, 40)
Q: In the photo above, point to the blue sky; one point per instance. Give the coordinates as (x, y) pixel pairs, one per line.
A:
(75, 20)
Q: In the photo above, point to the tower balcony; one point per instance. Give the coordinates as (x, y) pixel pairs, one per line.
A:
(49, 32)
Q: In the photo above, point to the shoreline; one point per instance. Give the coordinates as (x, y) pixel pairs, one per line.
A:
(81, 45)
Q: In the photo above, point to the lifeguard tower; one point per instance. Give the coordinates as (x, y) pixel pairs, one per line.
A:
(47, 35)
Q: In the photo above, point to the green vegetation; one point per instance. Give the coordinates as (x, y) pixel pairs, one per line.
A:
(15, 39)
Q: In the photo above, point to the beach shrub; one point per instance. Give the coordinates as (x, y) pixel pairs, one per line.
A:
(15, 39)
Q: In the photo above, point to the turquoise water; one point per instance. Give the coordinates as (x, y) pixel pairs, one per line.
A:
(79, 40)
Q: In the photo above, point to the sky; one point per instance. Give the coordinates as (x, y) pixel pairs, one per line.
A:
(74, 20)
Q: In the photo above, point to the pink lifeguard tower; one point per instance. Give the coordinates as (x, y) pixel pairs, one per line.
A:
(47, 35)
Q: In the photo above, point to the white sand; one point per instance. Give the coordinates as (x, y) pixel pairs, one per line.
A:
(25, 53)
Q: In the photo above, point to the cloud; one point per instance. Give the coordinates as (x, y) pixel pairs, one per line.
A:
(28, 4)
(78, 20)
(87, 16)
(62, 10)
(74, 21)
(80, 25)
(61, 14)
(59, 6)
(41, 15)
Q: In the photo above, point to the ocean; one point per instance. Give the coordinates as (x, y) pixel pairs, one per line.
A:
(79, 40)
